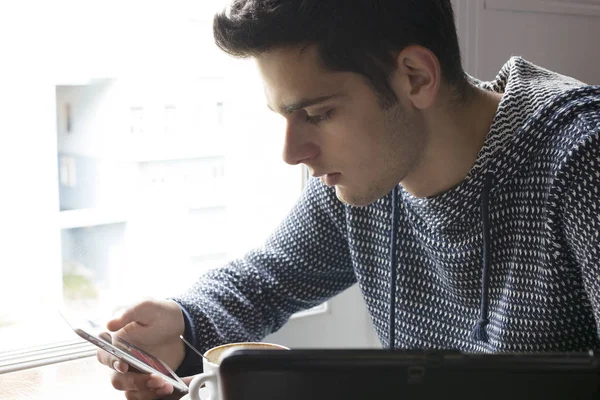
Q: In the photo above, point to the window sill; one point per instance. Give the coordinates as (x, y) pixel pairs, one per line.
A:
(70, 380)
(20, 359)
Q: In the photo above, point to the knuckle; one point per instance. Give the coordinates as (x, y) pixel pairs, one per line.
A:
(104, 358)
(131, 384)
(141, 382)
(147, 302)
(138, 381)
(118, 382)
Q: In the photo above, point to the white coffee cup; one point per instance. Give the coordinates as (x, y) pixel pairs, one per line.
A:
(210, 376)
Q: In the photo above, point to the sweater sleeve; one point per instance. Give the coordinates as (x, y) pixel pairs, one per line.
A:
(305, 262)
(581, 215)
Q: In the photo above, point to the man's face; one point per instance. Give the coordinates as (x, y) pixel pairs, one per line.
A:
(337, 128)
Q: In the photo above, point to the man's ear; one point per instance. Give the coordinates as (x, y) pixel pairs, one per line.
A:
(419, 75)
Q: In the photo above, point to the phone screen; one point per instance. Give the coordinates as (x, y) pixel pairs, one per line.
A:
(130, 353)
(141, 355)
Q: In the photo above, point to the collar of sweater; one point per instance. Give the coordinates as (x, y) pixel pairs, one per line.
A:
(527, 90)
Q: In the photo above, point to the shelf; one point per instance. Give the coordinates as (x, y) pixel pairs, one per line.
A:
(86, 217)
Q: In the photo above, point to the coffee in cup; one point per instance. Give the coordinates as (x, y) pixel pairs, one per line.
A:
(211, 362)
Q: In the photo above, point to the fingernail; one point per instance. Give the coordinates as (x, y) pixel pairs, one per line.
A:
(116, 366)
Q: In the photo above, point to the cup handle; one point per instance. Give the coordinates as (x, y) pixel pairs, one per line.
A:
(197, 383)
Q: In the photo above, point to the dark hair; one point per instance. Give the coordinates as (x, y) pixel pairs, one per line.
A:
(361, 36)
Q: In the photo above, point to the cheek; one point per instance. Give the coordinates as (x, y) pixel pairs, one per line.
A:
(362, 129)
(349, 141)
(356, 136)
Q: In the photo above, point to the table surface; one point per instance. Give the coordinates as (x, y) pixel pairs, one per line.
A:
(67, 380)
(84, 378)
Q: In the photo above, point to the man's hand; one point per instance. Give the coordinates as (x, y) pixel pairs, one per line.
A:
(154, 326)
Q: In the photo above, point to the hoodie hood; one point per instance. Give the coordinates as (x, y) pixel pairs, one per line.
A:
(527, 90)
(528, 93)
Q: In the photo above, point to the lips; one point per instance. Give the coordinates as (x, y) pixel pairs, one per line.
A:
(331, 179)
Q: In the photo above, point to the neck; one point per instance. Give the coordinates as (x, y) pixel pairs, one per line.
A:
(455, 138)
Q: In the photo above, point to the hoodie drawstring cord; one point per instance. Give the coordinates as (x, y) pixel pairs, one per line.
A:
(479, 333)
(393, 234)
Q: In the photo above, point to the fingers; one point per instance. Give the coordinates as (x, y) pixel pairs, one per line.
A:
(125, 317)
(151, 395)
(111, 361)
(142, 313)
(176, 395)
(141, 386)
(120, 366)
(188, 379)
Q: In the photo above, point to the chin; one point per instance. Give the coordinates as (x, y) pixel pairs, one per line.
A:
(355, 199)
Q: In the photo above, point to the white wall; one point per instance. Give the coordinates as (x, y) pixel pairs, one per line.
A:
(345, 324)
(561, 35)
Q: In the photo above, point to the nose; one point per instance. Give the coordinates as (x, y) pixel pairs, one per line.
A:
(298, 146)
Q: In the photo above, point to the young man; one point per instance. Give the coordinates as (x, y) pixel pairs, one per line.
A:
(465, 211)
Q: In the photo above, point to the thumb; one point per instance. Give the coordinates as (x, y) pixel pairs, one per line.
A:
(141, 313)
(120, 320)
(188, 379)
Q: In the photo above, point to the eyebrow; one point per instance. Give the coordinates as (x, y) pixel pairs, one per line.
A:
(289, 109)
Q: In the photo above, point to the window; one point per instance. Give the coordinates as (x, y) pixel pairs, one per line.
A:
(136, 157)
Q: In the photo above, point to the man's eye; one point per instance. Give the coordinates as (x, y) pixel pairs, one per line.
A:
(317, 119)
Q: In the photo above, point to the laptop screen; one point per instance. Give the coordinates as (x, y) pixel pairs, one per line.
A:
(385, 375)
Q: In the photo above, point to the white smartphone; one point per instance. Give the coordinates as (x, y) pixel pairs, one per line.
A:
(137, 358)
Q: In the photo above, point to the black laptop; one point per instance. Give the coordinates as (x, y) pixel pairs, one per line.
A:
(399, 375)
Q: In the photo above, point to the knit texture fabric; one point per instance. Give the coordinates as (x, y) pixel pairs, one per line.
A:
(544, 210)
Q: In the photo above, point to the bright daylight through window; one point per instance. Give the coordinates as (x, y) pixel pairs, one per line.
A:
(140, 157)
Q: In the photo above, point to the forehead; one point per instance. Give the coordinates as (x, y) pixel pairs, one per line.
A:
(292, 73)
